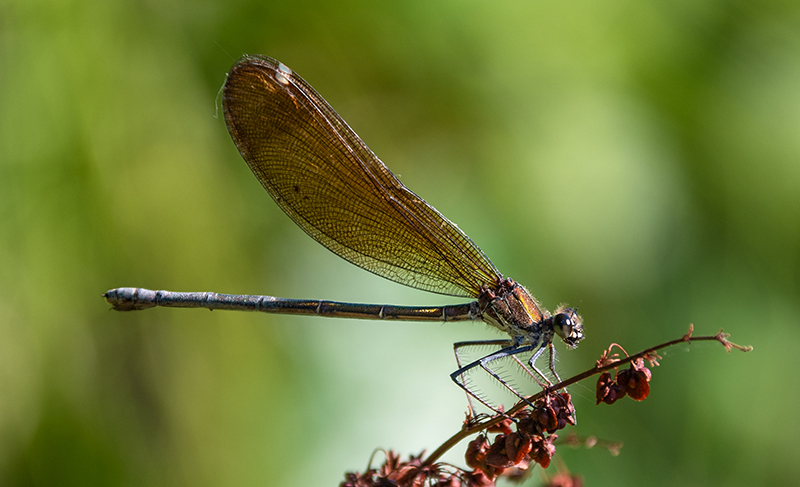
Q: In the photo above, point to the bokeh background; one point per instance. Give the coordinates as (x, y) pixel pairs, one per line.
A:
(640, 159)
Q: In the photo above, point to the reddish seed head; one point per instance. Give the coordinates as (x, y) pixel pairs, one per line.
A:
(547, 419)
(634, 382)
(565, 479)
(509, 454)
(448, 481)
(543, 450)
(476, 452)
(607, 390)
(477, 478)
(497, 456)
(503, 426)
(517, 446)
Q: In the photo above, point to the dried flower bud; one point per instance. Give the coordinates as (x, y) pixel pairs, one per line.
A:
(517, 446)
(503, 426)
(476, 452)
(607, 390)
(477, 478)
(636, 380)
(448, 481)
(543, 449)
(496, 456)
(565, 479)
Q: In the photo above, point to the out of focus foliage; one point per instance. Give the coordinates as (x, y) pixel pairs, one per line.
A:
(639, 159)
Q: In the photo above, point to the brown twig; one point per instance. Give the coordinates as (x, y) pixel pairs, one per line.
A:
(608, 362)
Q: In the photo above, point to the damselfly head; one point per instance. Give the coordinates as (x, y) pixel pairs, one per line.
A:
(568, 325)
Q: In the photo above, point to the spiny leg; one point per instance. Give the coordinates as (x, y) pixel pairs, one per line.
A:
(461, 372)
(485, 366)
(509, 350)
(532, 374)
(552, 364)
(558, 379)
(532, 364)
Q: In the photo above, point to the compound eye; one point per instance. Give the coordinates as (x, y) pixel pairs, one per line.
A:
(564, 321)
(567, 324)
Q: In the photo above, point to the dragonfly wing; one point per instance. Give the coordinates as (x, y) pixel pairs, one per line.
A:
(334, 188)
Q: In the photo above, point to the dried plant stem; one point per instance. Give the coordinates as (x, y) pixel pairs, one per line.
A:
(604, 365)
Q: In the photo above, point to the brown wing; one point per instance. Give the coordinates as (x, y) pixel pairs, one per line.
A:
(332, 185)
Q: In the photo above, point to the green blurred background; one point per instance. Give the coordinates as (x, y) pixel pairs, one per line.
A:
(640, 159)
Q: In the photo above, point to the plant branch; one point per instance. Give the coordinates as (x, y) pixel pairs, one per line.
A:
(607, 362)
